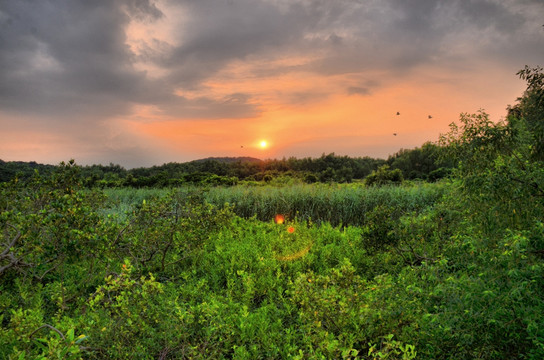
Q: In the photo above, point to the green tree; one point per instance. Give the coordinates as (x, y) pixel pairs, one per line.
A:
(384, 176)
(500, 164)
(531, 107)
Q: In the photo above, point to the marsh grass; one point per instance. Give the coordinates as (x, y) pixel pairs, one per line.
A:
(123, 201)
(337, 204)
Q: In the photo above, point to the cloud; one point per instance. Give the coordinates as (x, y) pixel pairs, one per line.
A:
(68, 58)
(71, 59)
(70, 66)
(357, 90)
(235, 105)
(218, 32)
(143, 10)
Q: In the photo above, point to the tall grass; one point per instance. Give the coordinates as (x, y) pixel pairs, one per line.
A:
(338, 204)
(121, 201)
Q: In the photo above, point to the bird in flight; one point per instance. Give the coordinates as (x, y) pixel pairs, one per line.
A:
(430, 117)
(394, 134)
(398, 113)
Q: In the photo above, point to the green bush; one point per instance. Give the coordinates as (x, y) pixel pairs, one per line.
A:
(384, 176)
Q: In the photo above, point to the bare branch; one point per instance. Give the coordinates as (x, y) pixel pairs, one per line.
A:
(50, 327)
(48, 270)
(7, 253)
(12, 243)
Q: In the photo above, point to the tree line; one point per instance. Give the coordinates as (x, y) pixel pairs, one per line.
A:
(419, 163)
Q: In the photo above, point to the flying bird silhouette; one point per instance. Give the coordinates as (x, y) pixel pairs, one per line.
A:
(430, 117)
(398, 113)
(394, 134)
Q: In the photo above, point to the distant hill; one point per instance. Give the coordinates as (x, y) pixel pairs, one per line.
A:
(230, 160)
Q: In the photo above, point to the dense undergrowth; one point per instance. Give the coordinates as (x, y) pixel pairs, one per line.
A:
(176, 277)
(451, 270)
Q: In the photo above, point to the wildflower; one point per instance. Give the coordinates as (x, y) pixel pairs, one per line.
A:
(290, 229)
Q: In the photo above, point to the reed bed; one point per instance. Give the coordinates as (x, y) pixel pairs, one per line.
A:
(337, 204)
(121, 201)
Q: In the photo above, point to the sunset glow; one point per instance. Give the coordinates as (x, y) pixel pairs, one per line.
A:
(149, 82)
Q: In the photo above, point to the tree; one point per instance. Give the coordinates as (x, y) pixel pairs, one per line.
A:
(500, 164)
(384, 176)
(420, 163)
(531, 107)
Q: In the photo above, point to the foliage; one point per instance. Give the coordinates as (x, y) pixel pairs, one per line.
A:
(446, 270)
(163, 234)
(10, 170)
(422, 163)
(211, 172)
(531, 108)
(384, 176)
(175, 277)
(46, 222)
(500, 181)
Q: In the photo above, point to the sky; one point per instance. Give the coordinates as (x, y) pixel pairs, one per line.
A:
(142, 82)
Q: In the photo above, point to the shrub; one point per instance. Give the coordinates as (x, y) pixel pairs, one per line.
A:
(384, 176)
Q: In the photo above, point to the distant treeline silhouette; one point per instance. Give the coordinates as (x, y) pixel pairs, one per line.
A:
(419, 163)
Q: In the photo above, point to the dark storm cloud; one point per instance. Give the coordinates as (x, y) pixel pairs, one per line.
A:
(71, 58)
(350, 36)
(217, 32)
(400, 35)
(67, 57)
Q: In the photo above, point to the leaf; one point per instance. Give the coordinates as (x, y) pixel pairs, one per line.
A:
(70, 335)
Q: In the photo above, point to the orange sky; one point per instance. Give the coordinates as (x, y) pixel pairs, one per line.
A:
(149, 82)
(342, 123)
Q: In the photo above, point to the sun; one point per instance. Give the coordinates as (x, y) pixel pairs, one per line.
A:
(263, 144)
